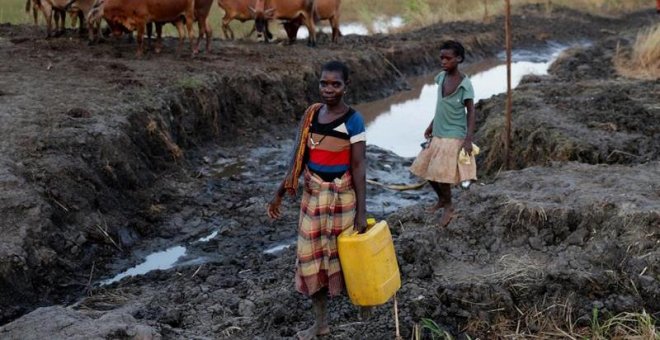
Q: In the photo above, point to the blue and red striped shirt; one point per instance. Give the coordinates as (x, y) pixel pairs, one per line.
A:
(329, 144)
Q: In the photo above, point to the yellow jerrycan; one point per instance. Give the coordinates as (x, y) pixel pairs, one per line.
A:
(369, 264)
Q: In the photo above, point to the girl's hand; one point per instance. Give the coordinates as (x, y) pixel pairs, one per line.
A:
(467, 145)
(428, 132)
(274, 207)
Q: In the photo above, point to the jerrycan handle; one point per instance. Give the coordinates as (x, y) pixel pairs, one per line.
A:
(370, 223)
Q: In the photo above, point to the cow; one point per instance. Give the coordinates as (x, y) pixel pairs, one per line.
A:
(323, 10)
(51, 9)
(135, 15)
(79, 9)
(238, 10)
(202, 10)
(264, 11)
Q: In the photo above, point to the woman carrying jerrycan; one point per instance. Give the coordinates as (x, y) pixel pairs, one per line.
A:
(330, 152)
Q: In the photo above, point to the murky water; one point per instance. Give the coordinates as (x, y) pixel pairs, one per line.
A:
(160, 261)
(397, 123)
(381, 25)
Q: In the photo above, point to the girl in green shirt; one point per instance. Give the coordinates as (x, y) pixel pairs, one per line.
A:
(450, 131)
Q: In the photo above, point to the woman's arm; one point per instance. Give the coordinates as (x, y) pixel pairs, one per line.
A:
(359, 174)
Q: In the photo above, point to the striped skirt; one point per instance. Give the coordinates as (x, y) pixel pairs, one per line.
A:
(327, 209)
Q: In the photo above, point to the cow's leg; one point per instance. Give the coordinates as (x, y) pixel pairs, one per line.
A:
(179, 28)
(159, 36)
(334, 23)
(226, 30)
(35, 15)
(201, 31)
(309, 22)
(150, 30)
(81, 27)
(59, 25)
(48, 15)
(141, 27)
(209, 34)
(190, 34)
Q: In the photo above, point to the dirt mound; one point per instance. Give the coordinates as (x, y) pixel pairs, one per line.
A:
(560, 242)
(582, 112)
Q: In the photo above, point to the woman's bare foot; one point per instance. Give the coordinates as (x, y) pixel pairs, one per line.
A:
(313, 331)
(447, 216)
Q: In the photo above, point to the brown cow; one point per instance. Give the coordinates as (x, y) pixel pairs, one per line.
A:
(237, 10)
(135, 15)
(323, 10)
(79, 9)
(265, 10)
(202, 10)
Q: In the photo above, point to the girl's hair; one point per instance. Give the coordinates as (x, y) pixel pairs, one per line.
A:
(337, 66)
(455, 46)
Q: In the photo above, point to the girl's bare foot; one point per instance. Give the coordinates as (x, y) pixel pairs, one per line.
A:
(313, 331)
(447, 216)
(435, 207)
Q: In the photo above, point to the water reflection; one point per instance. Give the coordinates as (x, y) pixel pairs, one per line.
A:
(161, 260)
(381, 25)
(397, 123)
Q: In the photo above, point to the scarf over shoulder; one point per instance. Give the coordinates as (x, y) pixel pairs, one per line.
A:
(298, 157)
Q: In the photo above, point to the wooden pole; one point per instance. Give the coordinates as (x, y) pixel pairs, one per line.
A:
(486, 10)
(396, 320)
(507, 32)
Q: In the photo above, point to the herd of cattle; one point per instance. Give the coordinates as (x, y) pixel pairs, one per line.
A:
(126, 16)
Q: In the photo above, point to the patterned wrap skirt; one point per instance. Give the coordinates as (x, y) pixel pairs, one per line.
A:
(439, 162)
(327, 209)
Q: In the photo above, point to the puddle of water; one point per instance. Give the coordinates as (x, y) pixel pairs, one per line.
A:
(280, 247)
(209, 237)
(397, 123)
(160, 260)
(381, 25)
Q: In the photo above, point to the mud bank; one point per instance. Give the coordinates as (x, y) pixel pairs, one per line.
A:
(103, 155)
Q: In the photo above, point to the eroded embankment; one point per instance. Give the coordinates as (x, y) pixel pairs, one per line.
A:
(584, 111)
(96, 143)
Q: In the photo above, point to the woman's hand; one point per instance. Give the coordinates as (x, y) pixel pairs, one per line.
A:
(360, 223)
(274, 207)
(467, 145)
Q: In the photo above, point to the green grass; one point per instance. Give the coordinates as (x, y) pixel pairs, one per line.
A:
(13, 11)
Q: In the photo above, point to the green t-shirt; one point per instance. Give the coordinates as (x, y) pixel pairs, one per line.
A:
(450, 120)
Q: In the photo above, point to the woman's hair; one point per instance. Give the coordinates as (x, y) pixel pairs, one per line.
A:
(337, 66)
(455, 46)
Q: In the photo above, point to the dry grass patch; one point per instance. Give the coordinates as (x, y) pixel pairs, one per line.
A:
(643, 60)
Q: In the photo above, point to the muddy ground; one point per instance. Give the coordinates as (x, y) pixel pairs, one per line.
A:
(107, 158)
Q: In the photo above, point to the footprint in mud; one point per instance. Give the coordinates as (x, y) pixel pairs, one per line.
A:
(77, 112)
